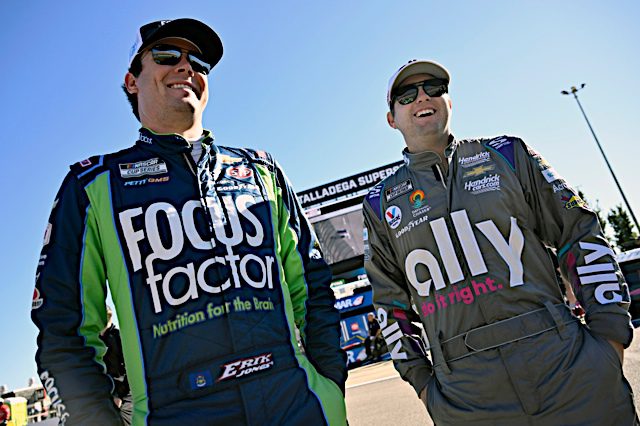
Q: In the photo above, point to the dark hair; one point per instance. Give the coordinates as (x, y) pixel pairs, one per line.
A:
(135, 69)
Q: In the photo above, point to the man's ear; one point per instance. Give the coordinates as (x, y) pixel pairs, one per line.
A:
(391, 120)
(131, 83)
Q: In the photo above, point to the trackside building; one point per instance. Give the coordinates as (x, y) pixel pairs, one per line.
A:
(335, 212)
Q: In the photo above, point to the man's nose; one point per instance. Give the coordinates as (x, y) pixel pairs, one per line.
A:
(184, 64)
(422, 93)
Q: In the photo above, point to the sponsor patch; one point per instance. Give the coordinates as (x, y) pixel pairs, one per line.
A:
(393, 214)
(37, 300)
(365, 238)
(145, 139)
(398, 190)
(239, 172)
(85, 163)
(201, 379)
(498, 143)
(559, 187)
(47, 234)
(373, 197)
(235, 186)
(142, 182)
(154, 166)
(412, 224)
(551, 175)
(418, 203)
(479, 171)
(573, 202)
(246, 366)
(227, 159)
(474, 160)
(57, 404)
(486, 184)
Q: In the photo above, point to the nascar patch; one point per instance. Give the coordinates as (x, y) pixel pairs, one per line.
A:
(154, 166)
(398, 190)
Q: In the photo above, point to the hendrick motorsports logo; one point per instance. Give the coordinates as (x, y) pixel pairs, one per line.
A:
(246, 366)
(393, 216)
(486, 184)
(479, 158)
(154, 166)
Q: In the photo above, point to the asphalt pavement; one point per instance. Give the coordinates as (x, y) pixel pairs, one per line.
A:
(376, 395)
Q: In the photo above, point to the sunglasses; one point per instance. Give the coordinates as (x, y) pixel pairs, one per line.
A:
(166, 54)
(434, 88)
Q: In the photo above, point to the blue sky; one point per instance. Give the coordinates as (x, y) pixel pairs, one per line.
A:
(306, 81)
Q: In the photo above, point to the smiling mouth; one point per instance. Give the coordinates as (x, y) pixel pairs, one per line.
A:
(184, 86)
(425, 113)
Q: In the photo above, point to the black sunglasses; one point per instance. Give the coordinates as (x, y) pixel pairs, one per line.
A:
(166, 54)
(434, 88)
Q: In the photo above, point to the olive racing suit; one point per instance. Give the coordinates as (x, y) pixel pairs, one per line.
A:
(465, 248)
(212, 268)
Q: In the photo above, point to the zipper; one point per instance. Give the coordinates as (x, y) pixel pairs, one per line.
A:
(189, 161)
(442, 179)
(457, 245)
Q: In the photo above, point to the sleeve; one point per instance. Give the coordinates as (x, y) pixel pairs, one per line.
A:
(69, 311)
(393, 303)
(565, 222)
(308, 278)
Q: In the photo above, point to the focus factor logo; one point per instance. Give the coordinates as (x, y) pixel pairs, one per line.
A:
(246, 366)
(141, 233)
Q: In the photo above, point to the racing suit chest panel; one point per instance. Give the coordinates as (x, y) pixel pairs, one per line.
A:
(471, 242)
(201, 261)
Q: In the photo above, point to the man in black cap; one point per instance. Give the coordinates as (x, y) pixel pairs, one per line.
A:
(209, 259)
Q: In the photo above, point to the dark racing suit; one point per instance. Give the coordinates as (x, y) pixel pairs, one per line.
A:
(212, 267)
(464, 250)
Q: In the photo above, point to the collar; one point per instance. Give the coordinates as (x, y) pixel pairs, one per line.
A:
(428, 158)
(169, 142)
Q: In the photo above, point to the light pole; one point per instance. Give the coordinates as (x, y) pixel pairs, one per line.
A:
(573, 91)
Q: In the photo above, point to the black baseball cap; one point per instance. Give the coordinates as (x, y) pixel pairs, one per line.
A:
(198, 33)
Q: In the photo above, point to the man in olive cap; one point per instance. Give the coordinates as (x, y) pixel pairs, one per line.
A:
(459, 240)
